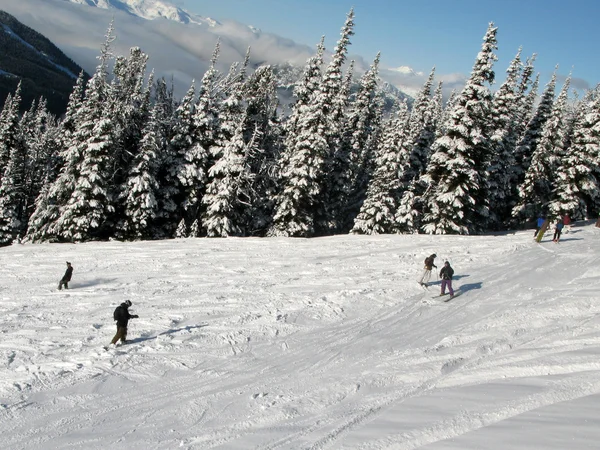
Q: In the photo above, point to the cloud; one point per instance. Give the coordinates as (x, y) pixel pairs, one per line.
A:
(183, 52)
(411, 81)
(175, 50)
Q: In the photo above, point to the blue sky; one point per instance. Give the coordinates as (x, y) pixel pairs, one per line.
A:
(442, 33)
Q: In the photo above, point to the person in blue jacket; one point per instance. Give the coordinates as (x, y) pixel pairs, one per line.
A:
(538, 227)
(557, 230)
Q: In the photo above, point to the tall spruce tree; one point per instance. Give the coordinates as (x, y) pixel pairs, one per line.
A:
(535, 194)
(192, 172)
(141, 205)
(230, 178)
(9, 128)
(364, 123)
(13, 194)
(533, 132)
(505, 116)
(303, 162)
(457, 198)
(577, 187)
(377, 213)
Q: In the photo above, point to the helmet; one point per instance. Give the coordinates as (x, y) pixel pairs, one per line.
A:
(127, 303)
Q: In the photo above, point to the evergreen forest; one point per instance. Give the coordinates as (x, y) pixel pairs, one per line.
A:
(129, 161)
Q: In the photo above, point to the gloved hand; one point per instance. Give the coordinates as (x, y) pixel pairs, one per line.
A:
(135, 316)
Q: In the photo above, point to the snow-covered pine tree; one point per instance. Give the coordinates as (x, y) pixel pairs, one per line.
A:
(445, 116)
(195, 159)
(172, 193)
(141, 206)
(303, 162)
(229, 179)
(340, 180)
(181, 231)
(533, 131)
(577, 187)
(364, 121)
(377, 213)
(420, 134)
(84, 217)
(505, 116)
(47, 222)
(13, 194)
(333, 101)
(526, 91)
(9, 128)
(457, 198)
(535, 194)
(263, 127)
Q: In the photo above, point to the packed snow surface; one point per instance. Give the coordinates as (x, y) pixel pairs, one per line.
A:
(303, 344)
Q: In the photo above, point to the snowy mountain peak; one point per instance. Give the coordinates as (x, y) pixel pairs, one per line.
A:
(150, 10)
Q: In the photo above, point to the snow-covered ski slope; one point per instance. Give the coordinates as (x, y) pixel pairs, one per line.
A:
(324, 343)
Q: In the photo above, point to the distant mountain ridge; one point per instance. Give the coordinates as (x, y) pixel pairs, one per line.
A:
(28, 57)
(150, 10)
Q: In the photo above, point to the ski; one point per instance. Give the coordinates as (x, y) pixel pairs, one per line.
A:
(441, 295)
(456, 294)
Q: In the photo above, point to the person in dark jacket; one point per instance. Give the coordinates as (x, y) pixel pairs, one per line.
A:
(446, 275)
(122, 316)
(429, 265)
(64, 281)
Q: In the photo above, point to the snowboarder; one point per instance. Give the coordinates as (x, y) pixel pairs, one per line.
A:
(122, 316)
(446, 275)
(557, 230)
(64, 281)
(429, 265)
(538, 227)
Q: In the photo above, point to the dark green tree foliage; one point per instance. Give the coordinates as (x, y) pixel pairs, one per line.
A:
(505, 117)
(303, 162)
(533, 132)
(456, 200)
(377, 213)
(576, 184)
(535, 194)
(12, 184)
(263, 130)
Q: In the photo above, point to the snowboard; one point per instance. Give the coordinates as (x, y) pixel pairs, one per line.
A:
(540, 234)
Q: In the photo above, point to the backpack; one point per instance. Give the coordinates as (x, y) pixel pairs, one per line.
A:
(116, 314)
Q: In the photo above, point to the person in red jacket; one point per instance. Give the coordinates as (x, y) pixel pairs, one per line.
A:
(567, 223)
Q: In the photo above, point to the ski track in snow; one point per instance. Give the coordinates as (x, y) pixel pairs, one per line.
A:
(294, 343)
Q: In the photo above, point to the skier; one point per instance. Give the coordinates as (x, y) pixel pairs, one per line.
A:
(446, 275)
(557, 230)
(429, 264)
(122, 316)
(538, 227)
(66, 277)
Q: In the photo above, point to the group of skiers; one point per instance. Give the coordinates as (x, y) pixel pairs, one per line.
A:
(560, 224)
(446, 274)
(122, 315)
